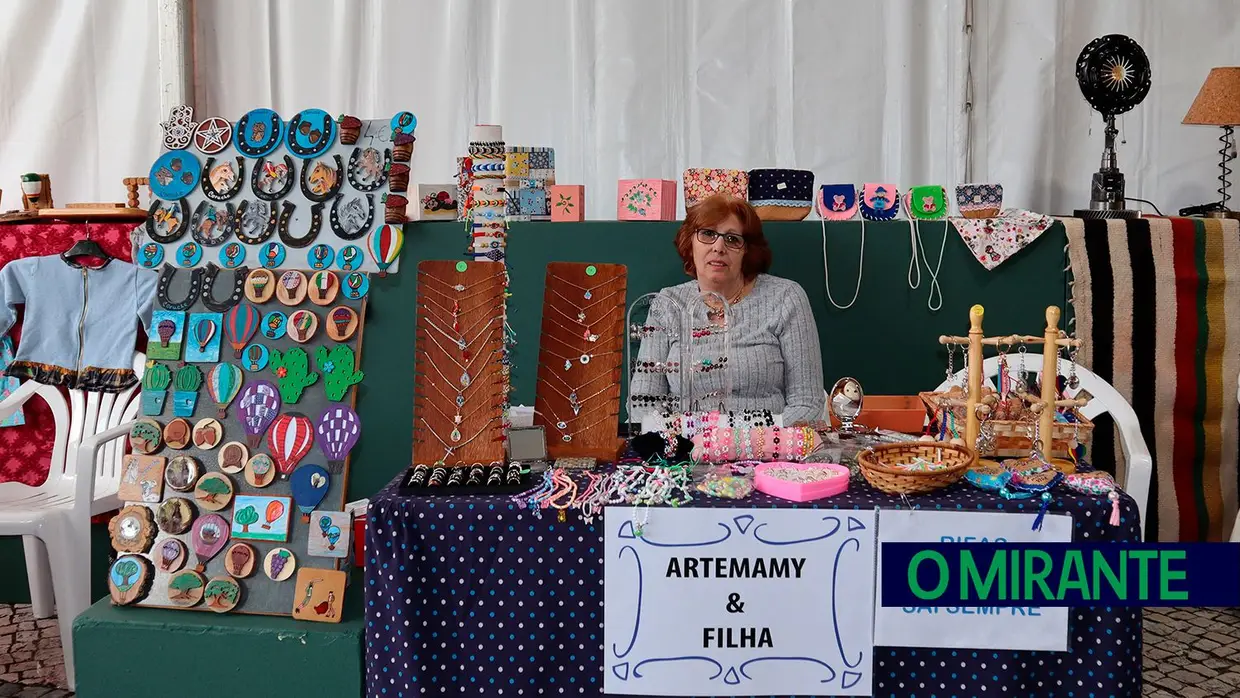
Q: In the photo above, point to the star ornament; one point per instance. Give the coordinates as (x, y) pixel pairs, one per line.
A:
(213, 135)
(1119, 73)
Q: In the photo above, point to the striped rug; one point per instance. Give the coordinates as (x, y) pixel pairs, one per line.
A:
(1157, 301)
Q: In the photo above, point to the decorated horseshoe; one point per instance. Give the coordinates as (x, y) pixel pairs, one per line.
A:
(264, 170)
(372, 168)
(329, 180)
(208, 288)
(258, 133)
(311, 133)
(209, 188)
(165, 280)
(175, 222)
(222, 231)
(286, 217)
(338, 227)
(250, 226)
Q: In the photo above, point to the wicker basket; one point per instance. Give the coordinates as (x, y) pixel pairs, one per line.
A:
(876, 465)
(1012, 435)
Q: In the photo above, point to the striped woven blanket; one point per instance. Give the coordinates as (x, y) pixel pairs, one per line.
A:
(1157, 301)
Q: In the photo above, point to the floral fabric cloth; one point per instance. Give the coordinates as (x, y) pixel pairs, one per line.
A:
(993, 241)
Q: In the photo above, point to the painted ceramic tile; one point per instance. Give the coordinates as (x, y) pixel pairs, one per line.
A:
(328, 534)
(568, 202)
(319, 594)
(203, 343)
(167, 335)
(9, 384)
(257, 517)
(142, 479)
(437, 202)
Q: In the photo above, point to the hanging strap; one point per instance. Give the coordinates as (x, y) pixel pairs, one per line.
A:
(826, 270)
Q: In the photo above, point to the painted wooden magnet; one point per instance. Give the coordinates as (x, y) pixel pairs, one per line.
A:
(275, 324)
(328, 534)
(223, 383)
(260, 470)
(258, 517)
(129, 579)
(338, 367)
(437, 202)
(150, 255)
(279, 564)
(320, 256)
(204, 337)
(239, 561)
(302, 325)
(169, 328)
(185, 387)
(209, 536)
(172, 555)
(256, 357)
(342, 323)
(324, 286)
(240, 323)
(213, 135)
(174, 175)
(132, 529)
(568, 203)
(232, 457)
(350, 258)
(185, 588)
(260, 403)
(273, 255)
(311, 132)
(260, 286)
(309, 484)
(146, 436)
(258, 133)
(142, 479)
(292, 288)
(222, 594)
(384, 245)
(338, 429)
(155, 380)
(180, 127)
(208, 433)
(174, 516)
(293, 374)
(356, 285)
(189, 255)
(213, 491)
(182, 472)
(318, 594)
(290, 438)
(177, 433)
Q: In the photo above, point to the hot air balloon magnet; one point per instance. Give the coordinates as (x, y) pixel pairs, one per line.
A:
(209, 536)
(290, 438)
(275, 324)
(146, 436)
(185, 588)
(342, 323)
(150, 255)
(205, 335)
(213, 491)
(258, 517)
(384, 245)
(181, 473)
(142, 479)
(239, 560)
(279, 564)
(189, 255)
(222, 594)
(168, 327)
(177, 434)
(174, 516)
(223, 383)
(323, 288)
(338, 430)
(356, 285)
(320, 256)
(273, 255)
(208, 433)
(255, 358)
(232, 255)
(171, 555)
(349, 259)
(129, 579)
(240, 323)
(232, 457)
(302, 325)
(291, 290)
(318, 594)
(260, 403)
(309, 484)
(328, 534)
(260, 470)
(260, 286)
(132, 529)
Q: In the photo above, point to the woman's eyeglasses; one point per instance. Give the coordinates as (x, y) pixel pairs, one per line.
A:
(732, 242)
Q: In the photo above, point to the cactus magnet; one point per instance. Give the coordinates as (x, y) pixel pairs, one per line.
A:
(155, 380)
(338, 367)
(293, 374)
(185, 390)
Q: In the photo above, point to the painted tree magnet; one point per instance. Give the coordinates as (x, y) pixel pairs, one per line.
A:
(146, 436)
(223, 383)
(260, 403)
(323, 288)
(309, 484)
(260, 286)
(174, 516)
(181, 473)
(207, 434)
(155, 380)
(239, 560)
(172, 554)
(213, 491)
(338, 428)
(289, 440)
(302, 325)
(185, 588)
(222, 594)
(337, 367)
(261, 517)
(279, 564)
(185, 390)
(260, 470)
(292, 288)
(292, 369)
(210, 535)
(342, 323)
(129, 579)
(132, 529)
(233, 456)
(240, 323)
(177, 434)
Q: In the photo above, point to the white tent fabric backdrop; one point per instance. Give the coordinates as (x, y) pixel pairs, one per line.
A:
(851, 89)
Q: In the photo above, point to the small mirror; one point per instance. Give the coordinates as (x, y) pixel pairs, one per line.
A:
(846, 400)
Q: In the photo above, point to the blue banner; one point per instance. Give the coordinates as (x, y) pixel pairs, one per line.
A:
(1000, 575)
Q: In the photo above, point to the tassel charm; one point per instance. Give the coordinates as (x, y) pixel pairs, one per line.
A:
(1114, 497)
(1046, 502)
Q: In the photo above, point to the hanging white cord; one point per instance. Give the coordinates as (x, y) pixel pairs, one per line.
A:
(934, 273)
(912, 263)
(826, 271)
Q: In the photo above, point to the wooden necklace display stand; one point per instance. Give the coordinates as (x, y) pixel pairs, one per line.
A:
(583, 330)
(472, 432)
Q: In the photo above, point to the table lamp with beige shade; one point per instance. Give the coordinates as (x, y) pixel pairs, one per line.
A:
(1218, 104)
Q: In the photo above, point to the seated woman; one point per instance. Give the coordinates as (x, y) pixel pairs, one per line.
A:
(773, 357)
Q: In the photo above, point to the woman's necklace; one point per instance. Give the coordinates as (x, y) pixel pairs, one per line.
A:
(715, 312)
(466, 378)
(456, 419)
(587, 292)
(456, 311)
(573, 391)
(460, 341)
(584, 358)
(587, 334)
(449, 450)
(567, 436)
(576, 404)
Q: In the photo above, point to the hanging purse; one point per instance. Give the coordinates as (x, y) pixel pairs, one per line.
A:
(837, 202)
(703, 182)
(781, 194)
(879, 202)
(926, 203)
(979, 200)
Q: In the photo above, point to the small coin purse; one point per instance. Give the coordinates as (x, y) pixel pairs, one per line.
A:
(837, 202)
(926, 203)
(879, 202)
(979, 200)
(703, 182)
(781, 194)
(1098, 483)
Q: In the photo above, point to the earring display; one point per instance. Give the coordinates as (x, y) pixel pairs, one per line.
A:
(459, 386)
(580, 351)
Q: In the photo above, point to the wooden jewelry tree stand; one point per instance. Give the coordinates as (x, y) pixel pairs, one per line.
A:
(1044, 405)
(577, 398)
(459, 384)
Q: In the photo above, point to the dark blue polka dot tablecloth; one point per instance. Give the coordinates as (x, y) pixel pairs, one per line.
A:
(470, 595)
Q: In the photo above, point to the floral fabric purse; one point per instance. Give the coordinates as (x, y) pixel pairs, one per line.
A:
(703, 182)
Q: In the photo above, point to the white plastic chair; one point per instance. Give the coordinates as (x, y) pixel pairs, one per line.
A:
(1104, 399)
(54, 518)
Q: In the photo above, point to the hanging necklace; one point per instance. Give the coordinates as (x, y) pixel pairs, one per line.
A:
(571, 389)
(567, 436)
(353, 206)
(208, 288)
(449, 450)
(457, 419)
(826, 270)
(716, 313)
(574, 403)
(586, 334)
(461, 342)
(456, 311)
(587, 292)
(460, 288)
(460, 392)
(165, 280)
(582, 309)
(465, 379)
(584, 358)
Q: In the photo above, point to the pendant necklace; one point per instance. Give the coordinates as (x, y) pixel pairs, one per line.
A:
(717, 314)
(208, 286)
(567, 436)
(449, 450)
(459, 288)
(580, 319)
(584, 358)
(587, 292)
(456, 420)
(465, 379)
(165, 280)
(576, 404)
(460, 342)
(572, 392)
(456, 311)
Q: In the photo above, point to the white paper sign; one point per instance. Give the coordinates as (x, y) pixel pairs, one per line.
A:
(1024, 628)
(722, 602)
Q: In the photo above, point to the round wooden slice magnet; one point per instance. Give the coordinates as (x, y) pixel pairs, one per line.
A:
(170, 555)
(182, 472)
(146, 437)
(260, 285)
(291, 288)
(342, 322)
(239, 560)
(279, 564)
(233, 456)
(1064, 465)
(302, 325)
(323, 288)
(177, 433)
(222, 594)
(260, 470)
(208, 433)
(129, 579)
(213, 491)
(185, 588)
(175, 515)
(132, 529)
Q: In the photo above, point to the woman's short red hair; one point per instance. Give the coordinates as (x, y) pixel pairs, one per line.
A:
(712, 211)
